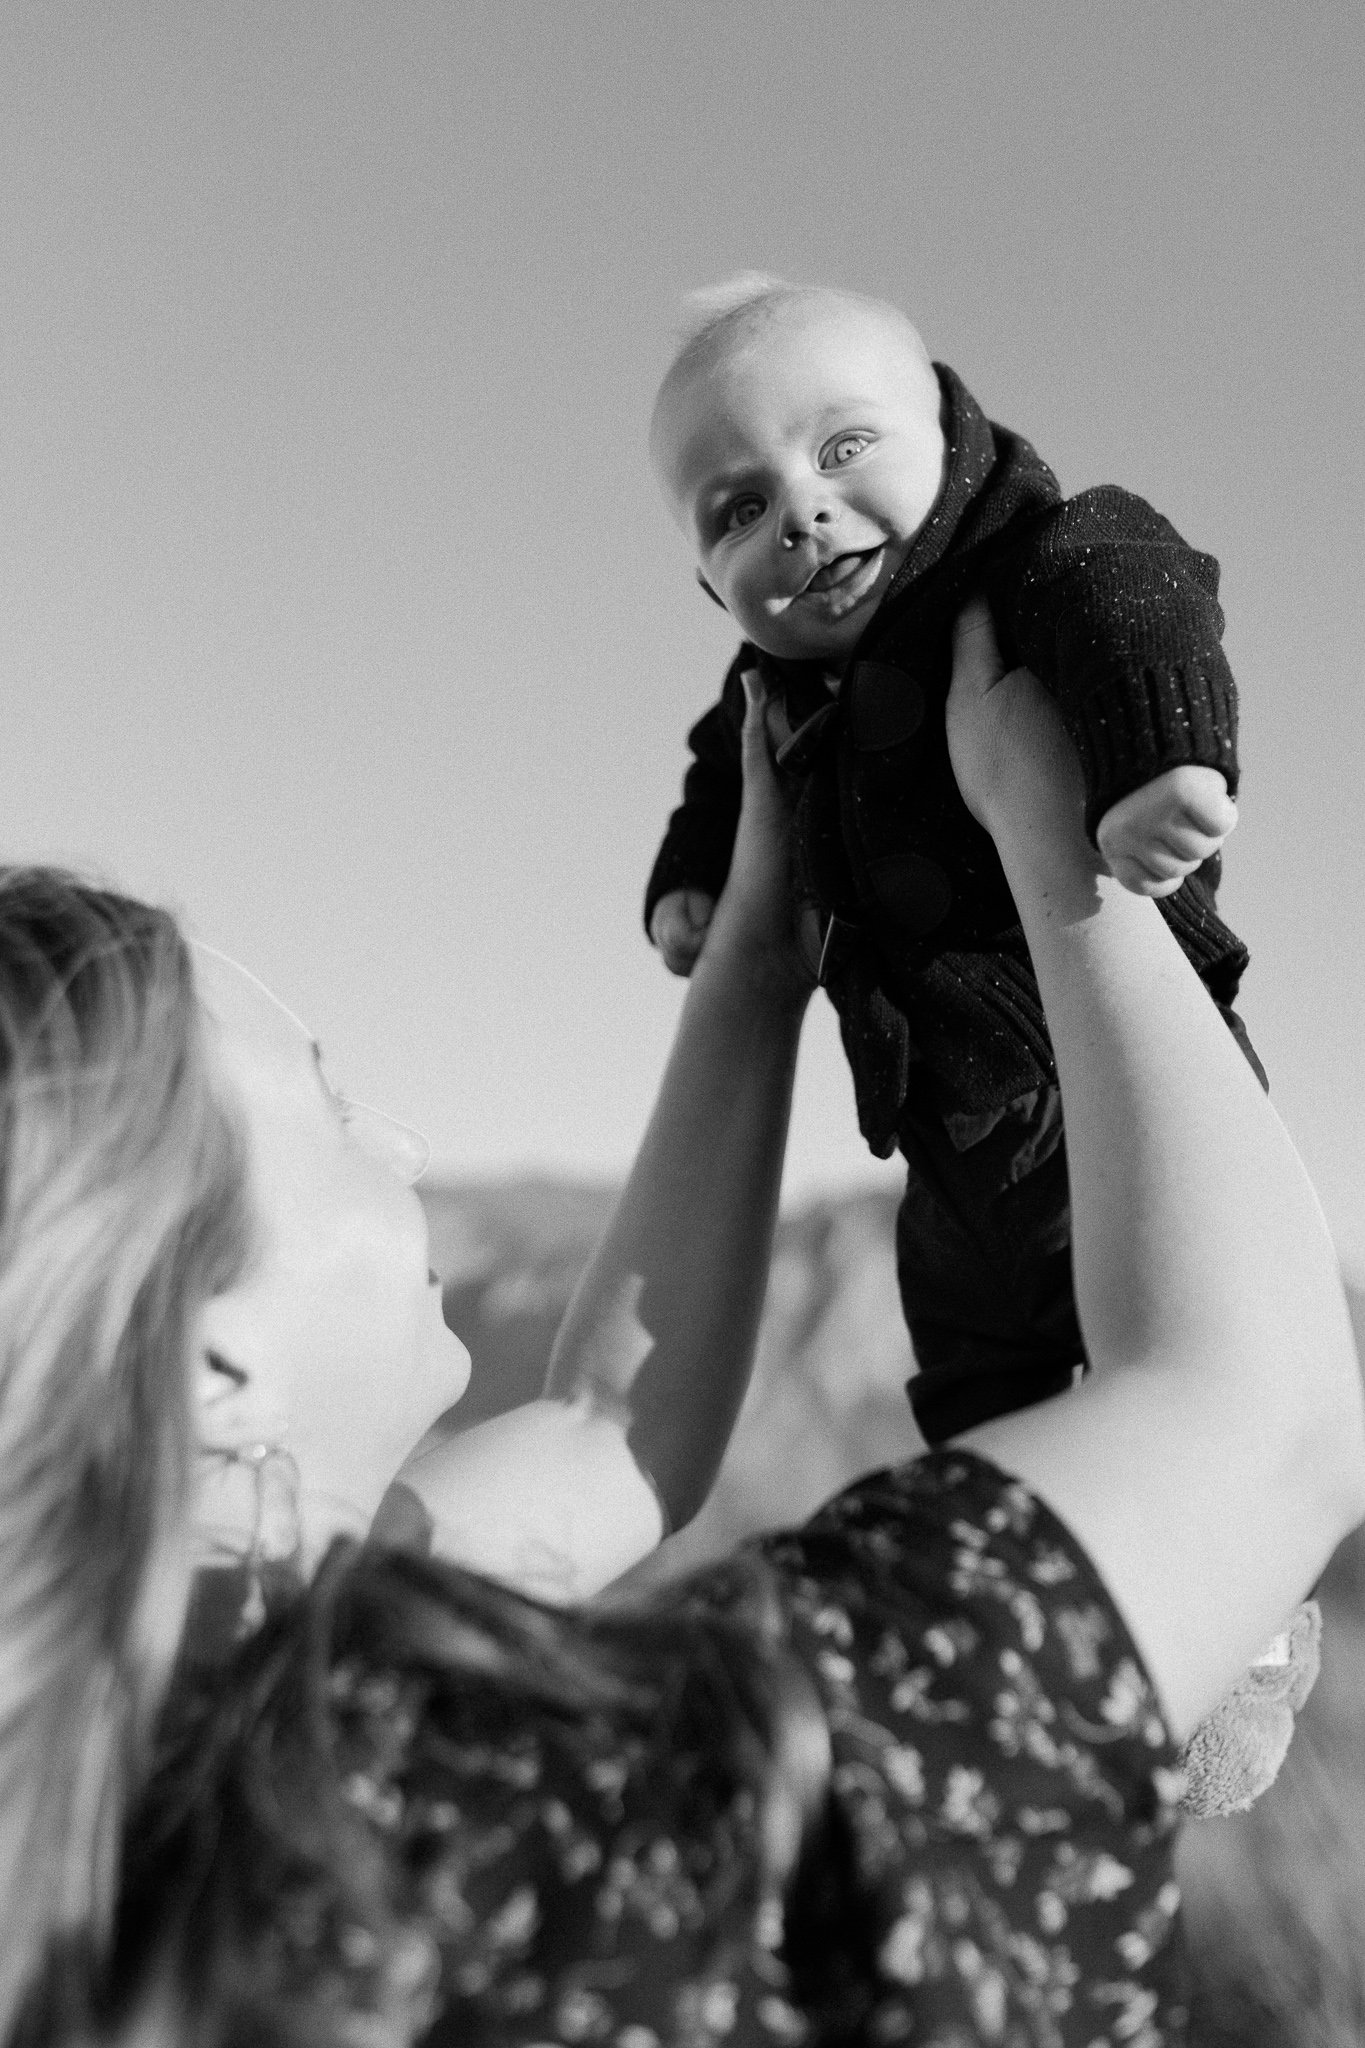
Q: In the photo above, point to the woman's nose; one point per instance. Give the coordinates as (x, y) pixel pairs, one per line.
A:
(404, 1151)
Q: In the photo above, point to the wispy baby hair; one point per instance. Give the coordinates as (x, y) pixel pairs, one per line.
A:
(715, 315)
(713, 306)
(741, 307)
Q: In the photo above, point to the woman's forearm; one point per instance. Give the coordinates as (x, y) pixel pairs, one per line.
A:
(562, 1495)
(1196, 1234)
(661, 1331)
(1216, 1454)
(649, 1369)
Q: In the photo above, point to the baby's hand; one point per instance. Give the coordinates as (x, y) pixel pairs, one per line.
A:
(678, 927)
(1155, 836)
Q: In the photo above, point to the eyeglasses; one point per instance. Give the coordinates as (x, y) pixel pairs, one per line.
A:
(398, 1146)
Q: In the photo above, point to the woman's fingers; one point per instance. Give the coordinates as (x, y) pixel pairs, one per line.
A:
(977, 662)
(761, 838)
(977, 668)
(1008, 748)
(757, 759)
(763, 807)
(759, 887)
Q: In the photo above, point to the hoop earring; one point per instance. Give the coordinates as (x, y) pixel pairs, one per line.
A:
(274, 1547)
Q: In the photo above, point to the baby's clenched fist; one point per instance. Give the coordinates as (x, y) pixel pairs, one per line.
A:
(1157, 835)
(679, 926)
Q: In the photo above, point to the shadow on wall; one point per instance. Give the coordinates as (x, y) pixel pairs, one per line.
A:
(1275, 1898)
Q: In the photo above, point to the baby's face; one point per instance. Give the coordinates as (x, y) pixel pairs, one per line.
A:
(801, 463)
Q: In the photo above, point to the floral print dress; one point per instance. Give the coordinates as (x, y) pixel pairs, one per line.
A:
(1004, 1784)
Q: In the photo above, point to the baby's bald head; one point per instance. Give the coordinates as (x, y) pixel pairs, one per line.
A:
(731, 322)
(796, 437)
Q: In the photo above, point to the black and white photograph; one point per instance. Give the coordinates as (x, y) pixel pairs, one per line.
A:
(682, 1024)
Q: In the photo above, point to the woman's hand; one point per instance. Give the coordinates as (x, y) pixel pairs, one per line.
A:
(755, 912)
(1015, 765)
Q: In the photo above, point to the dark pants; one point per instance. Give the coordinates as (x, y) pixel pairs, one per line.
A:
(983, 1254)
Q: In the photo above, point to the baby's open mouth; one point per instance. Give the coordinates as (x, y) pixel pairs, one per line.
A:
(845, 581)
(839, 570)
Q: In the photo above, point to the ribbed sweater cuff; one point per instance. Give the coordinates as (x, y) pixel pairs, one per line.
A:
(1162, 717)
(1215, 953)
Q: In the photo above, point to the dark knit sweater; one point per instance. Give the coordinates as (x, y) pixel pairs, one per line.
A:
(925, 957)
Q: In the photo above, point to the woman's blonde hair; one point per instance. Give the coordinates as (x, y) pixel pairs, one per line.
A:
(148, 1894)
(122, 1209)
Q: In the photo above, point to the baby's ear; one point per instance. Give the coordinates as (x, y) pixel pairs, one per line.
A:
(710, 592)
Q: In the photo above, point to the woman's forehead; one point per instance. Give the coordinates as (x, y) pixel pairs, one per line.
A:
(246, 1009)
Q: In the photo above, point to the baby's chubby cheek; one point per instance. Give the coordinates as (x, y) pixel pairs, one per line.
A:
(756, 607)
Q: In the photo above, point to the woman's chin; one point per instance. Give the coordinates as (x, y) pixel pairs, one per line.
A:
(441, 1378)
(458, 1363)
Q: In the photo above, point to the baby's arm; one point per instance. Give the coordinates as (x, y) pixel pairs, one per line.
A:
(1157, 835)
(1120, 619)
(693, 862)
(678, 927)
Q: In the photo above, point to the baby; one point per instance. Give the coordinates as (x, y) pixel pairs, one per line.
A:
(844, 497)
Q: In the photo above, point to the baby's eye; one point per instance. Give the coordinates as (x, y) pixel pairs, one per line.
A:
(739, 513)
(843, 449)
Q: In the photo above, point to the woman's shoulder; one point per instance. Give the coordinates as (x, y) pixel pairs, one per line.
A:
(950, 1568)
(1003, 1778)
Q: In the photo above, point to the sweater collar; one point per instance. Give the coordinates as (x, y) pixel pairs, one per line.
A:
(969, 458)
(977, 454)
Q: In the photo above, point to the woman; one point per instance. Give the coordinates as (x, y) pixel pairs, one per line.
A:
(904, 1774)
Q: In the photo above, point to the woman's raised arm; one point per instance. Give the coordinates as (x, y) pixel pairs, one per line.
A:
(654, 1356)
(1216, 1452)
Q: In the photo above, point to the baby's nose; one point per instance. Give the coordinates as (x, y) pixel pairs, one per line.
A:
(802, 519)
